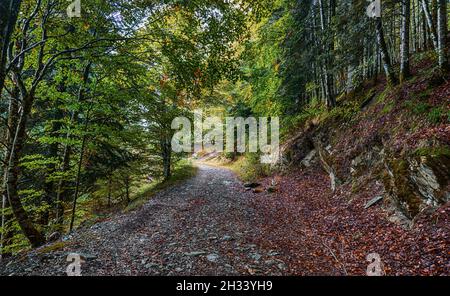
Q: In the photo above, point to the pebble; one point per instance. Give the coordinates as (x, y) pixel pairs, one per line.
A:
(227, 238)
(195, 253)
(212, 257)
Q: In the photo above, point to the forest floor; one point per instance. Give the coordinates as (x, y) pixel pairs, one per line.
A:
(211, 225)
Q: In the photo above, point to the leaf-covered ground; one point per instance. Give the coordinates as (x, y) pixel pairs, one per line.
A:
(332, 233)
(210, 225)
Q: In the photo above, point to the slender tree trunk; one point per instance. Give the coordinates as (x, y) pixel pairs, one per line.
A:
(167, 158)
(109, 190)
(442, 35)
(127, 189)
(425, 36)
(327, 46)
(78, 179)
(9, 10)
(3, 225)
(49, 188)
(62, 193)
(430, 24)
(404, 51)
(435, 11)
(331, 102)
(390, 76)
(413, 26)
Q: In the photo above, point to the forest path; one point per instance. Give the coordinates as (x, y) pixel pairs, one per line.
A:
(203, 226)
(210, 225)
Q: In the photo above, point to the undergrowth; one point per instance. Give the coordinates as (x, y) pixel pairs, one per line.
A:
(183, 170)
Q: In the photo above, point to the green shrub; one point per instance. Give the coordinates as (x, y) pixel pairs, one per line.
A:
(250, 168)
(435, 115)
(417, 107)
(388, 107)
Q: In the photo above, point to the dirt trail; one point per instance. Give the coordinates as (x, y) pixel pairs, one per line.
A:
(210, 225)
(201, 227)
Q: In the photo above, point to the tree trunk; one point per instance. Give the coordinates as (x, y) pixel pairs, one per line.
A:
(435, 11)
(109, 190)
(386, 61)
(167, 158)
(404, 50)
(33, 235)
(442, 35)
(77, 184)
(413, 26)
(430, 24)
(328, 48)
(9, 10)
(49, 188)
(127, 189)
(331, 101)
(62, 193)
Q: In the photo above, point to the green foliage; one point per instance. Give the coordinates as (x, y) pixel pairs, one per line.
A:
(104, 90)
(345, 112)
(250, 168)
(183, 171)
(388, 106)
(433, 151)
(436, 115)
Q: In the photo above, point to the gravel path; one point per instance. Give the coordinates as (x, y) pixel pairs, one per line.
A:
(204, 226)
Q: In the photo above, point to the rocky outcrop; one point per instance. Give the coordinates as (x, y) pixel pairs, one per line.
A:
(416, 183)
(326, 161)
(412, 182)
(365, 162)
(294, 151)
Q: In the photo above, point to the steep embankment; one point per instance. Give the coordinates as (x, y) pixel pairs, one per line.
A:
(371, 175)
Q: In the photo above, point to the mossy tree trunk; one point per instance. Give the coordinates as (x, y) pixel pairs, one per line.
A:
(404, 54)
(386, 60)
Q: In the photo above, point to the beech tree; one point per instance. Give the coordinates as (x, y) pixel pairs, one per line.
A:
(405, 33)
(9, 10)
(442, 34)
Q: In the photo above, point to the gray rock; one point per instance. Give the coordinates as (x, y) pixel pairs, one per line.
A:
(227, 238)
(416, 183)
(212, 257)
(282, 266)
(270, 262)
(307, 161)
(87, 256)
(373, 201)
(151, 265)
(195, 253)
(255, 256)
